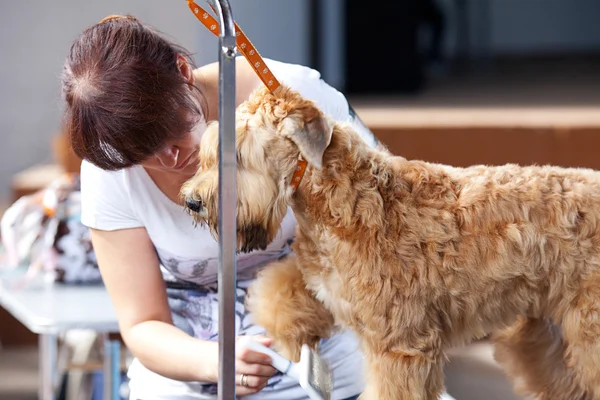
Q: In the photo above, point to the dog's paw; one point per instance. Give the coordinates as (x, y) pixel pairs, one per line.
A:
(288, 349)
(280, 303)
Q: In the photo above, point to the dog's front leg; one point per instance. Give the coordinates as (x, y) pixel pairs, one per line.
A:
(280, 302)
(399, 376)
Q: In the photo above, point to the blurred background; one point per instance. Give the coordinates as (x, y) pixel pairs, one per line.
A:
(453, 81)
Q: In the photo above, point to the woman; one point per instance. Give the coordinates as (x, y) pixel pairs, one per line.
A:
(136, 109)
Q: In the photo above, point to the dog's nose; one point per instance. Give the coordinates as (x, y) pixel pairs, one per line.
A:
(193, 204)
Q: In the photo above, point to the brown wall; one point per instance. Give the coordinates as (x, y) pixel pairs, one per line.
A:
(574, 147)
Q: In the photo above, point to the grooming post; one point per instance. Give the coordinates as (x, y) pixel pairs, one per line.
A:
(227, 200)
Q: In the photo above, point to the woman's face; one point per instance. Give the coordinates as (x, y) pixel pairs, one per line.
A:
(180, 156)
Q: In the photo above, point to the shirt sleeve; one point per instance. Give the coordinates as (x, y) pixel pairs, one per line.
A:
(331, 101)
(105, 200)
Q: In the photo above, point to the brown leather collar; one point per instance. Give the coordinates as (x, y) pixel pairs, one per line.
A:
(298, 173)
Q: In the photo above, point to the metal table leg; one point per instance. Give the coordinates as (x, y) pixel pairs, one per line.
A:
(116, 369)
(227, 201)
(47, 358)
(107, 368)
(111, 368)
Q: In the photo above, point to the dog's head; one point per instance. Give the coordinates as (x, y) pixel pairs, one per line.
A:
(272, 132)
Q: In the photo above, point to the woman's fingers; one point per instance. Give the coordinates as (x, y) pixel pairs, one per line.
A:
(251, 384)
(253, 369)
(254, 357)
(251, 381)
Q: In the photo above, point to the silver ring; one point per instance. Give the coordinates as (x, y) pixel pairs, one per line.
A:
(244, 380)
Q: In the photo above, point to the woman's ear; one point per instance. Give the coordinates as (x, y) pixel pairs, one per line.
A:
(185, 69)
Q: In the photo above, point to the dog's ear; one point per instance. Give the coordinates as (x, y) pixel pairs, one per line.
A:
(311, 136)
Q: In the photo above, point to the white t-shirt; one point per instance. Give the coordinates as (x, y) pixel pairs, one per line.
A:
(188, 254)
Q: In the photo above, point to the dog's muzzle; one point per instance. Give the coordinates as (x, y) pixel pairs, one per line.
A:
(194, 204)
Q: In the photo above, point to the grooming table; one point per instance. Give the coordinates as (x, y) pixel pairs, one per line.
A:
(52, 309)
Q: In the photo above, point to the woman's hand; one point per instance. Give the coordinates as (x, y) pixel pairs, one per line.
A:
(253, 369)
(140, 299)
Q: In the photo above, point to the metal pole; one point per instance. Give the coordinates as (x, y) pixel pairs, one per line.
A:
(227, 201)
(107, 369)
(115, 369)
(47, 355)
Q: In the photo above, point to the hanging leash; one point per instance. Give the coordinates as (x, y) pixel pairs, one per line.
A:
(244, 45)
(257, 63)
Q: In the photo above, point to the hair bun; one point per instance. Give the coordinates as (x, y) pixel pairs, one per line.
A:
(117, 16)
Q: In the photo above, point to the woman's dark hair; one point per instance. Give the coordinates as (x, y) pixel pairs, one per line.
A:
(125, 95)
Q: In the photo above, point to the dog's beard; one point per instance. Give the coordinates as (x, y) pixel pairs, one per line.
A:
(255, 229)
(249, 237)
(253, 237)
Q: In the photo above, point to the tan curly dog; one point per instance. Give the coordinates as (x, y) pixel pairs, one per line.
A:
(415, 257)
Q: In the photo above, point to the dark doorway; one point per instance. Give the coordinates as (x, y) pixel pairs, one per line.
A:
(381, 47)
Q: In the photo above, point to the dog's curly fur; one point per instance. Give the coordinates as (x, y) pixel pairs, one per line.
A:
(416, 257)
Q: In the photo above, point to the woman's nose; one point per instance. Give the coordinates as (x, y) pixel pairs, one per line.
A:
(168, 156)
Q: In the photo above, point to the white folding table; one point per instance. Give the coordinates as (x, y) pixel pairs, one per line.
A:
(52, 309)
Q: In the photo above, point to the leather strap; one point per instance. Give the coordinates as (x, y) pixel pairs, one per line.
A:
(244, 46)
(257, 63)
(298, 173)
